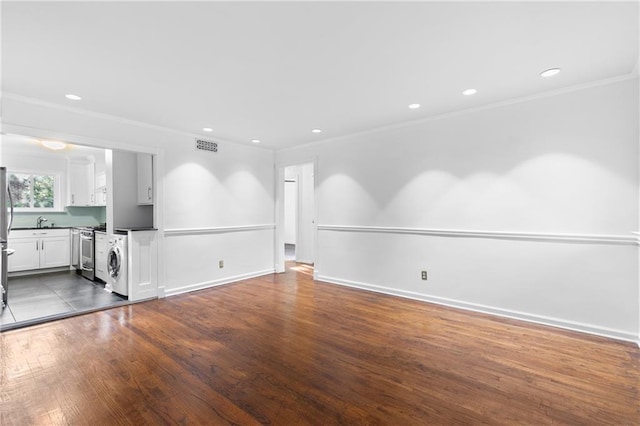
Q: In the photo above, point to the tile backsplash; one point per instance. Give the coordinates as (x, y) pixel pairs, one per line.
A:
(73, 216)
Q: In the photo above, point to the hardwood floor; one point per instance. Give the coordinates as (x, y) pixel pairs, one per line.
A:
(285, 350)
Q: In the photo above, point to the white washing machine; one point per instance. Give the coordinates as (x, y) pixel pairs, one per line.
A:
(117, 264)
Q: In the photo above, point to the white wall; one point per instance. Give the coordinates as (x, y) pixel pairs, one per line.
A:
(219, 207)
(475, 198)
(470, 197)
(210, 207)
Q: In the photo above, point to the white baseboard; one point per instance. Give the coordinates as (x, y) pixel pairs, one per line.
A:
(215, 283)
(38, 271)
(537, 319)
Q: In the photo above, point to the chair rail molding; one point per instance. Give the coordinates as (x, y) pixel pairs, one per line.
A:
(501, 235)
(218, 229)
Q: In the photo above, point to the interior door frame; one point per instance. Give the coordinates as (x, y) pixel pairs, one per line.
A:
(279, 258)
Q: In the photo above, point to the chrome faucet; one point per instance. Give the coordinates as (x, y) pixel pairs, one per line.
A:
(40, 220)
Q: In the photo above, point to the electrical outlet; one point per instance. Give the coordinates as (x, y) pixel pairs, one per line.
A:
(221, 264)
(424, 275)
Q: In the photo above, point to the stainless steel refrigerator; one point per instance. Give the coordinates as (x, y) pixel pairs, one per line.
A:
(6, 220)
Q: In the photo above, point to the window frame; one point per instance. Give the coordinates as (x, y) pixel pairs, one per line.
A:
(57, 190)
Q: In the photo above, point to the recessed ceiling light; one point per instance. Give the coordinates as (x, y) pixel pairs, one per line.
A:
(414, 106)
(255, 140)
(54, 145)
(316, 131)
(550, 72)
(73, 97)
(470, 92)
(207, 129)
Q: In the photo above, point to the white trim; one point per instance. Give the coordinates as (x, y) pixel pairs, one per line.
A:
(278, 214)
(506, 313)
(279, 177)
(522, 236)
(217, 229)
(455, 113)
(215, 283)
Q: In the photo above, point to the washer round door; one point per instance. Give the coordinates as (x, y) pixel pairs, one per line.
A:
(114, 262)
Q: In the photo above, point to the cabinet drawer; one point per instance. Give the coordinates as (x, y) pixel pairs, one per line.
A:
(38, 233)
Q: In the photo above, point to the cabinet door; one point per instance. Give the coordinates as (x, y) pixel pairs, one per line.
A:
(145, 179)
(101, 179)
(101, 189)
(81, 184)
(101, 197)
(54, 252)
(101, 257)
(26, 255)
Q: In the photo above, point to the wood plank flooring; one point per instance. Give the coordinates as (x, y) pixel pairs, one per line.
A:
(285, 350)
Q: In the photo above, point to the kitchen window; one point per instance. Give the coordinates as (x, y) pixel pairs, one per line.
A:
(35, 191)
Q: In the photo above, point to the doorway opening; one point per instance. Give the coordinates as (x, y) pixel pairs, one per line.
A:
(49, 276)
(296, 222)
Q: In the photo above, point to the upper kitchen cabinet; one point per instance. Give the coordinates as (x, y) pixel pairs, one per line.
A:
(101, 188)
(131, 203)
(145, 178)
(81, 183)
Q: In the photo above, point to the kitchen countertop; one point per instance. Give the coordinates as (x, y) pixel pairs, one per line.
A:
(23, 228)
(142, 228)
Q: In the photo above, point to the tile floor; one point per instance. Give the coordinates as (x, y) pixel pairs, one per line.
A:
(39, 298)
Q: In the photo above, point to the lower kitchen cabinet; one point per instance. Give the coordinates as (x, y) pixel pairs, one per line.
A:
(101, 255)
(39, 249)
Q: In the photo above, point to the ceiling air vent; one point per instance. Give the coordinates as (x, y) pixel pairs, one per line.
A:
(204, 145)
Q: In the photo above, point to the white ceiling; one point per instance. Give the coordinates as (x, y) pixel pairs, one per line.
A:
(24, 145)
(274, 71)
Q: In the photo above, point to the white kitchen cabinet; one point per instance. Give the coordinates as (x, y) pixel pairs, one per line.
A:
(81, 183)
(101, 179)
(39, 249)
(26, 255)
(101, 255)
(101, 189)
(145, 178)
(101, 197)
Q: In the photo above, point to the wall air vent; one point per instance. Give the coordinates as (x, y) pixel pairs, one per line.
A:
(204, 145)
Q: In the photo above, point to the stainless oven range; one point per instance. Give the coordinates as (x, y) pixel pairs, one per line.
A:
(86, 253)
(83, 247)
